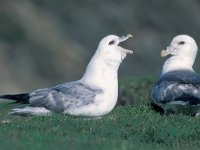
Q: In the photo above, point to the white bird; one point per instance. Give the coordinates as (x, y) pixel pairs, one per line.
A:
(94, 95)
(178, 89)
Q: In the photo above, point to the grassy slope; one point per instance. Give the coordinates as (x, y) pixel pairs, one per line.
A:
(126, 127)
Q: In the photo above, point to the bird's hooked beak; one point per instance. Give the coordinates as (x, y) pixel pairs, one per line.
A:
(122, 39)
(169, 51)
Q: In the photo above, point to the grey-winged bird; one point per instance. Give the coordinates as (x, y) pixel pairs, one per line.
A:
(178, 89)
(94, 95)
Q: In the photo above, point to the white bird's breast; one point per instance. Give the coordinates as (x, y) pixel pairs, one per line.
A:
(107, 100)
(103, 102)
(177, 63)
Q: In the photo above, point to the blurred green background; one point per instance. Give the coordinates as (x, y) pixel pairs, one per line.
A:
(47, 42)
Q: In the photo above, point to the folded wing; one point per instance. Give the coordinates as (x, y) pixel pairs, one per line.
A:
(64, 96)
(178, 86)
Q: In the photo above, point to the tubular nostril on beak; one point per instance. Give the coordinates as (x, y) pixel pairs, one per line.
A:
(124, 38)
(169, 47)
(129, 35)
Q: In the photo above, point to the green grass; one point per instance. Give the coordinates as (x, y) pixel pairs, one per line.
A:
(135, 91)
(126, 127)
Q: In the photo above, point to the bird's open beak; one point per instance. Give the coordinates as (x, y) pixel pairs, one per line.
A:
(169, 51)
(122, 39)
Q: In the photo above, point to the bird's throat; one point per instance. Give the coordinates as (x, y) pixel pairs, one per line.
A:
(100, 74)
(178, 63)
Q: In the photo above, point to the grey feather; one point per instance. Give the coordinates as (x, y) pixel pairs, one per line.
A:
(181, 76)
(180, 85)
(64, 96)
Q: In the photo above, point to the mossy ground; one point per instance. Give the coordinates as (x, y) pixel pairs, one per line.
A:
(134, 126)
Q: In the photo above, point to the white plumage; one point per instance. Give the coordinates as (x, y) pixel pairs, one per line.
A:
(182, 55)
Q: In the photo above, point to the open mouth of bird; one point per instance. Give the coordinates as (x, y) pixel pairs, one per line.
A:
(122, 43)
(169, 51)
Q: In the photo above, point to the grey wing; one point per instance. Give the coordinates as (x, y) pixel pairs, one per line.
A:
(167, 91)
(181, 76)
(64, 96)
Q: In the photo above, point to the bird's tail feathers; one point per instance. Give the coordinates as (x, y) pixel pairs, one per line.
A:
(19, 98)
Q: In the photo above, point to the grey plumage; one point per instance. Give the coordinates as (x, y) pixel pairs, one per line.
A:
(61, 97)
(65, 96)
(177, 87)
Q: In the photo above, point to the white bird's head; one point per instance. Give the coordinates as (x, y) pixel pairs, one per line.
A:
(102, 68)
(181, 45)
(111, 51)
(183, 50)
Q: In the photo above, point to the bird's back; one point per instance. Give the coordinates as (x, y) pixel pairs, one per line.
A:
(177, 88)
(65, 96)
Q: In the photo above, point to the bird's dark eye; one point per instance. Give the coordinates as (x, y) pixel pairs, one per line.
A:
(181, 43)
(111, 42)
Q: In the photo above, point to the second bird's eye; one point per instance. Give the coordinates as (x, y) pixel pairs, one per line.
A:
(181, 42)
(111, 42)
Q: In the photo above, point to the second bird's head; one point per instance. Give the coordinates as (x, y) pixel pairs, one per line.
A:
(181, 46)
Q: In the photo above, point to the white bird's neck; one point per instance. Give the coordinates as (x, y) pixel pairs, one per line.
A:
(178, 63)
(101, 74)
